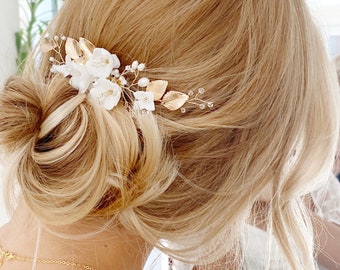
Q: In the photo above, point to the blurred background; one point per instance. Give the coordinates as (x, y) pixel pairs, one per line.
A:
(21, 23)
(327, 16)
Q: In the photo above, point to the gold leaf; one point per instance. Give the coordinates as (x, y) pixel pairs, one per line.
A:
(72, 48)
(47, 44)
(174, 100)
(158, 88)
(87, 47)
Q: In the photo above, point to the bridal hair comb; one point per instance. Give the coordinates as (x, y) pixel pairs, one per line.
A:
(98, 73)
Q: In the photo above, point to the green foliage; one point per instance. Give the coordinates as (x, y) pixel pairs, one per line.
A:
(24, 38)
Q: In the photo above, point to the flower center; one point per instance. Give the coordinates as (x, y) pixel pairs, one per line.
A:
(109, 93)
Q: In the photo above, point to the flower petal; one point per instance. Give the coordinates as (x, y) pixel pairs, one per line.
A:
(62, 69)
(101, 63)
(65, 69)
(150, 106)
(144, 100)
(107, 86)
(116, 62)
(81, 79)
(106, 93)
(110, 102)
(96, 92)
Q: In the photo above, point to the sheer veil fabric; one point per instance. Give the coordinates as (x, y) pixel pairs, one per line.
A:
(327, 201)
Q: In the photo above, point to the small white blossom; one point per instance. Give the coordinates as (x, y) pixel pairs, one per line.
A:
(116, 61)
(144, 100)
(101, 63)
(106, 93)
(143, 82)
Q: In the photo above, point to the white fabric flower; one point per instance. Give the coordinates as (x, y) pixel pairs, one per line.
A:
(144, 100)
(101, 63)
(106, 93)
(65, 69)
(81, 79)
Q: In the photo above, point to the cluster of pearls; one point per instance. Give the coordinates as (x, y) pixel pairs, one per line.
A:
(134, 69)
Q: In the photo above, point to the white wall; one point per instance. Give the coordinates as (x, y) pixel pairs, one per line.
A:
(9, 24)
(327, 15)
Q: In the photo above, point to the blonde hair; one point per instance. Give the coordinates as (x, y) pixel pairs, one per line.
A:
(190, 179)
(336, 62)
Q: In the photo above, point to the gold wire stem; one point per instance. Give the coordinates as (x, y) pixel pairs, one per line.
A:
(5, 255)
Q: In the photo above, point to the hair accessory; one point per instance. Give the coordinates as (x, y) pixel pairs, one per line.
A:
(97, 72)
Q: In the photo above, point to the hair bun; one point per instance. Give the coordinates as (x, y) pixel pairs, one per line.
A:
(20, 112)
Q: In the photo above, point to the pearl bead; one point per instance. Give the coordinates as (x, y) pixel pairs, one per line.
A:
(143, 82)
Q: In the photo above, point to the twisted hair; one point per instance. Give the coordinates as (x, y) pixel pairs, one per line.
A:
(191, 178)
(71, 153)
